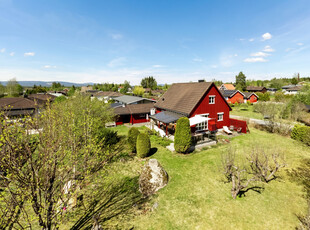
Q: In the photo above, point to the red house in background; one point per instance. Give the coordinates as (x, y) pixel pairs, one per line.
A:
(233, 96)
(250, 96)
(201, 102)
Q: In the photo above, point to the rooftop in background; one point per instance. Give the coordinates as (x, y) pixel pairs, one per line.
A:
(16, 103)
(134, 109)
(107, 94)
(126, 99)
(229, 93)
(227, 87)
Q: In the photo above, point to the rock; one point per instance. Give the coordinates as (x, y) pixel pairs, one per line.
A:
(153, 177)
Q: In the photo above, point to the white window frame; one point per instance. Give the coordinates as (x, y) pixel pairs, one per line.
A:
(222, 115)
(212, 101)
(202, 126)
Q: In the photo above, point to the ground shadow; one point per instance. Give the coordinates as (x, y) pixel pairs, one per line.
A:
(111, 202)
(152, 151)
(257, 189)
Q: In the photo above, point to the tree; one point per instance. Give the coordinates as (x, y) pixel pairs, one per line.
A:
(13, 88)
(182, 137)
(241, 81)
(56, 85)
(149, 82)
(2, 90)
(132, 138)
(143, 145)
(125, 88)
(138, 90)
(43, 173)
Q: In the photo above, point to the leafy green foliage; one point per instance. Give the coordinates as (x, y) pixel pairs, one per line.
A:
(301, 133)
(132, 138)
(143, 145)
(182, 137)
(149, 82)
(138, 90)
(241, 81)
(263, 96)
(106, 137)
(60, 99)
(13, 89)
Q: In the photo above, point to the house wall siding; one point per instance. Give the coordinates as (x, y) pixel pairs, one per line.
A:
(220, 106)
(238, 97)
(252, 99)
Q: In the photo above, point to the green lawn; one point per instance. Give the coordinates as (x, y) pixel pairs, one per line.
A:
(197, 198)
(246, 112)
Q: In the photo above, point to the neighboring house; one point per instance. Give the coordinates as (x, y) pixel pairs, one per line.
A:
(272, 90)
(201, 102)
(15, 107)
(128, 100)
(293, 89)
(84, 89)
(256, 89)
(133, 113)
(107, 95)
(227, 87)
(250, 97)
(41, 99)
(233, 96)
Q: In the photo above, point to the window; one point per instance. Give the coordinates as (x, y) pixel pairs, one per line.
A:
(204, 115)
(211, 99)
(220, 116)
(202, 126)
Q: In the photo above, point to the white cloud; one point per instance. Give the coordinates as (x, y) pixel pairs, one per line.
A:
(49, 67)
(288, 49)
(12, 54)
(236, 55)
(116, 36)
(268, 49)
(256, 59)
(197, 60)
(214, 66)
(29, 54)
(260, 54)
(251, 40)
(300, 44)
(157, 66)
(2, 50)
(266, 36)
(241, 39)
(117, 62)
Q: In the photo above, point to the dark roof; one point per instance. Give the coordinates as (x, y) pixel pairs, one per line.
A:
(248, 94)
(134, 109)
(108, 94)
(116, 104)
(229, 93)
(255, 88)
(183, 97)
(295, 88)
(42, 96)
(288, 86)
(167, 116)
(126, 99)
(16, 103)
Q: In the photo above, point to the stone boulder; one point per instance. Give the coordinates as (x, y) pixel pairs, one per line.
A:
(153, 177)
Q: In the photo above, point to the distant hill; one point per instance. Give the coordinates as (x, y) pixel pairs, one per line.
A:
(49, 83)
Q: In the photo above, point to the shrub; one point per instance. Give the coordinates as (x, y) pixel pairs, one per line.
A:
(143, 145)
(107, 137)
(263, 96)
(182, 137)
(301, 133)
(132, 138)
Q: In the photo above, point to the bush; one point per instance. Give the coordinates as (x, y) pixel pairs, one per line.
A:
(301, 133)
(263, 96)
(107, 137)
(182, 137)
(132, 138)
(143, 145)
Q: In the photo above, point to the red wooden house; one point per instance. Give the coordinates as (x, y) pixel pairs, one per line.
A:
(201, 102)
(250, 96)
(233, 96)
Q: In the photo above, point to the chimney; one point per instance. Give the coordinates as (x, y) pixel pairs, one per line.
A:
(201, 80)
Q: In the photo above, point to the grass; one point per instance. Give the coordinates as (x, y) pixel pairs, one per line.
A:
(196, 196)
(248, 113)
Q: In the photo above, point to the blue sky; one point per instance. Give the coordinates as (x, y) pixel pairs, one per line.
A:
(174, 41)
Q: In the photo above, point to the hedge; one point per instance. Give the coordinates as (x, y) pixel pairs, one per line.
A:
(143, 145)
(182, 137)
(301, 133)
(132, 138)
